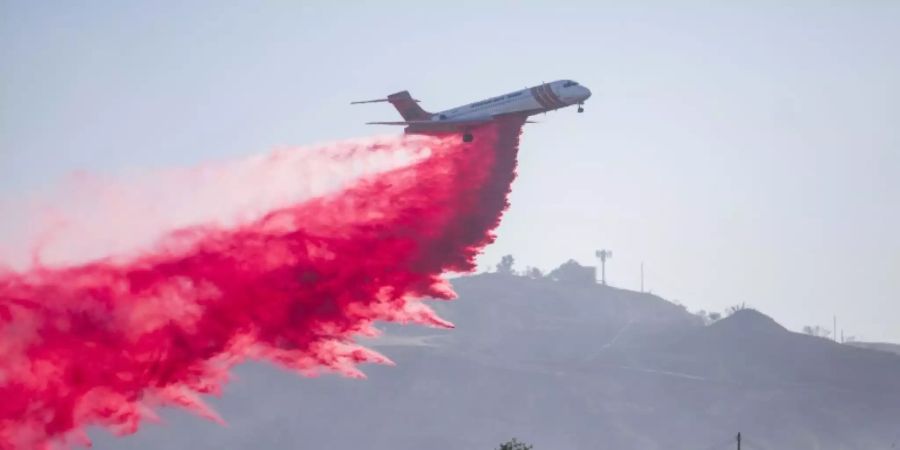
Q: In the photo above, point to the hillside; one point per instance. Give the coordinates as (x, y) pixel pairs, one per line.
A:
(882, 346)
(564, 366)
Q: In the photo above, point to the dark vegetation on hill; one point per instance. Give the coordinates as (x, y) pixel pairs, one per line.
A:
(565, 365)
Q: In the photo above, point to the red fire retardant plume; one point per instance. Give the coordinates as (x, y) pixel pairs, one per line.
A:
(102, 343)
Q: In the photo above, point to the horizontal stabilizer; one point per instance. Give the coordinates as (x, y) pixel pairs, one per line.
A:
(377, 100)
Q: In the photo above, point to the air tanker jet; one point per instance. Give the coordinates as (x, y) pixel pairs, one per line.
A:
(524, 103)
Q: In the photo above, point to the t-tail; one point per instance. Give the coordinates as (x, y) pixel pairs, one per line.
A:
(407, 106)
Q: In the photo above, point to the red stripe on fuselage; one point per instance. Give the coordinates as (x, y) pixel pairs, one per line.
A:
(542, 91)
(535, 93)
(549, 97)
(553, 97)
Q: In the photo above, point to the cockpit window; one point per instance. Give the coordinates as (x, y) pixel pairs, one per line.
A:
(569, 83)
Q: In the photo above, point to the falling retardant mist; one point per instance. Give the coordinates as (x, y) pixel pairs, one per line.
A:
(104, 341)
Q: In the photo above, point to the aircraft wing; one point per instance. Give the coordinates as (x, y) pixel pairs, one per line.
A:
(439, 126)
(437, 123)
(396, 123)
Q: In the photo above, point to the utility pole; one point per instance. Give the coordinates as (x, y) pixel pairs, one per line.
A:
(603, 255)
(642, 277)
(739, 440)
(834, 330)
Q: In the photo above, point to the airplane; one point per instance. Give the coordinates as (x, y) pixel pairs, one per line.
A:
(526, 102)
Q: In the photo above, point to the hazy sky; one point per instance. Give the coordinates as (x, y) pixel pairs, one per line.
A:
(746, 153)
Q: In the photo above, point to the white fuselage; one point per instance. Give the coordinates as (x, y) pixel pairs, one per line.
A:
(537, 99)
(521, 104)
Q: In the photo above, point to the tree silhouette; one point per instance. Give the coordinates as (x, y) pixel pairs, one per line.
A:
(534, 272)
(514, 445)
(733, 309)
(817, 331)
(505, 266)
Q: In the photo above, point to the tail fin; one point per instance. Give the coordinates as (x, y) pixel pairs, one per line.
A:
(408, 107)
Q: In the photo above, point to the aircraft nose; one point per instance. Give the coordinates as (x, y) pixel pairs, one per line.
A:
(585, 93)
